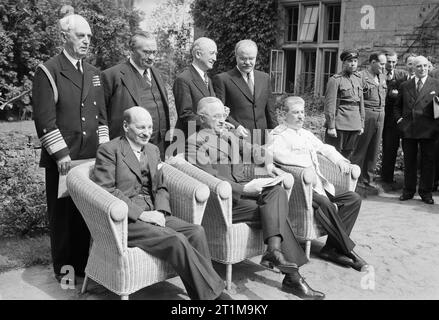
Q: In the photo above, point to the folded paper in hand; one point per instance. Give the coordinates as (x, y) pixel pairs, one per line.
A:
(436, 107)
(268, 182)
(62, 186)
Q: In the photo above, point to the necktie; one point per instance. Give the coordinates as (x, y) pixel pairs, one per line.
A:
(419, 86)
(147, 77)
(389, 76)
(206, 80)
(250, 83)
(143, 161)
(78, 66)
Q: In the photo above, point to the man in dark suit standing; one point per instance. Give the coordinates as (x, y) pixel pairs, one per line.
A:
(217, 151)
(247, 92)
(136, 82)
(435, 74)
(193, 83)
(127, 167)
(414, 116)
(391, 137)
(70, 120)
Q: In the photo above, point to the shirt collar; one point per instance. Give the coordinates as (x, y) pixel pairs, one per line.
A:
(71, 59)
(136, 149)
(200, 72)
(244, 74)
(139, 69)
(423, 79)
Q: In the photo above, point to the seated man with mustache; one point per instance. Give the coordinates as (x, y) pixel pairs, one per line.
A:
(290, 144)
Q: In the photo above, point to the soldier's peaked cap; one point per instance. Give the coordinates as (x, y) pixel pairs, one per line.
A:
(349, 54)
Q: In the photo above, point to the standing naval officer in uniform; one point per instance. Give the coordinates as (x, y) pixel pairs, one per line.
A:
(70, 120)
(344, 107)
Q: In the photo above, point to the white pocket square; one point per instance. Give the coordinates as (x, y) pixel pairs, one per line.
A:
(433, 92)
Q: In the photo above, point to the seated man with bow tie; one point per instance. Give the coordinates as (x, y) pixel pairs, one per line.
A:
(290, 144)
(127, 167)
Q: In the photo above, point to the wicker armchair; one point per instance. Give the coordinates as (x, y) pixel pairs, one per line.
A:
(228, 243)
(306, 228)
(111, 263)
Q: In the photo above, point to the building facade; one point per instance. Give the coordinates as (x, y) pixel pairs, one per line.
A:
(313, 33)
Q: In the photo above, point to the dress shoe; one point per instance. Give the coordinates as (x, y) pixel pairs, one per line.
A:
(301, 289)
(358, 263)
(224, 296)
(275, 258)
(428, 200)
(405, 196)
(331, 254)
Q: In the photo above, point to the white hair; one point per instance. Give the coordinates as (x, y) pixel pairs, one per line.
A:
(69, 22)
(200, 43)
(245, 43)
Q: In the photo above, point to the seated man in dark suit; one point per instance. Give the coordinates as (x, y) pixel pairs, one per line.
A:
(217, 152)
(127, 167)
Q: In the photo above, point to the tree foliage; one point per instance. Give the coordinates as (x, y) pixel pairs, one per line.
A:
(228, 21)
(29, 35)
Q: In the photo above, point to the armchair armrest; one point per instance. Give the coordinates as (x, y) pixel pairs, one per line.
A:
(342, 182)
(221, 191)
(105, 215)
(188, 195)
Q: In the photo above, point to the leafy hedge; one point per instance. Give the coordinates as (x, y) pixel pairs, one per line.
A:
(228, 21)
(22, 188)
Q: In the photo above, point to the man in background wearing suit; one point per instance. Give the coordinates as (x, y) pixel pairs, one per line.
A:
(70, 120)
(127, 167)
(391, 138)
(247, 92)
(193, 84)
(136, 82)
(414, 116)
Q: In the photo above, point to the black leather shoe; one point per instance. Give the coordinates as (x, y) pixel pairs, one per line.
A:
(275, 258)
(359, 263)
(405, 196)
(428, 200)
(224, 296)
(331, 254)
(301, 289)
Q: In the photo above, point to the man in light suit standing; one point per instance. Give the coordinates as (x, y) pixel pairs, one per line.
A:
(247, 92)
(193, 83)
(413, 111)
(136, 82)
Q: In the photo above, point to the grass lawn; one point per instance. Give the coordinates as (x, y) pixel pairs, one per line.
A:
(24, 252)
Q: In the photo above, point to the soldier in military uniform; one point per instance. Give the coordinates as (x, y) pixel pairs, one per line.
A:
(365, 154)
(344, 108)
(391, 137)
(70, 120)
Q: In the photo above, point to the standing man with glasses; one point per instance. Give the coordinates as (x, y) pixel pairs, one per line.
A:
(419, 129)
(247, 92)
(70, 119)
(136, 82)
(193, 83)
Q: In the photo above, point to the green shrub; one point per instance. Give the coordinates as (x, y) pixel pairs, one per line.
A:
(22, 188)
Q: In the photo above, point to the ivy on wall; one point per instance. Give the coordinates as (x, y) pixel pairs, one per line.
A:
(228, 21)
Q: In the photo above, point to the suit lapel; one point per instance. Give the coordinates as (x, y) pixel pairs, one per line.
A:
(130, 158)
(258, 84)
(160, 85)
(199, 82)
(127, 78)
(239, 81)
(411, 88)
(70, 72)
(152, 162)
(425, 89)
(88, 74)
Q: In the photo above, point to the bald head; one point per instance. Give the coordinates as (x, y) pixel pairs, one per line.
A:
(204, 53)
(137, 125)
(421, 66)
(76, 35)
